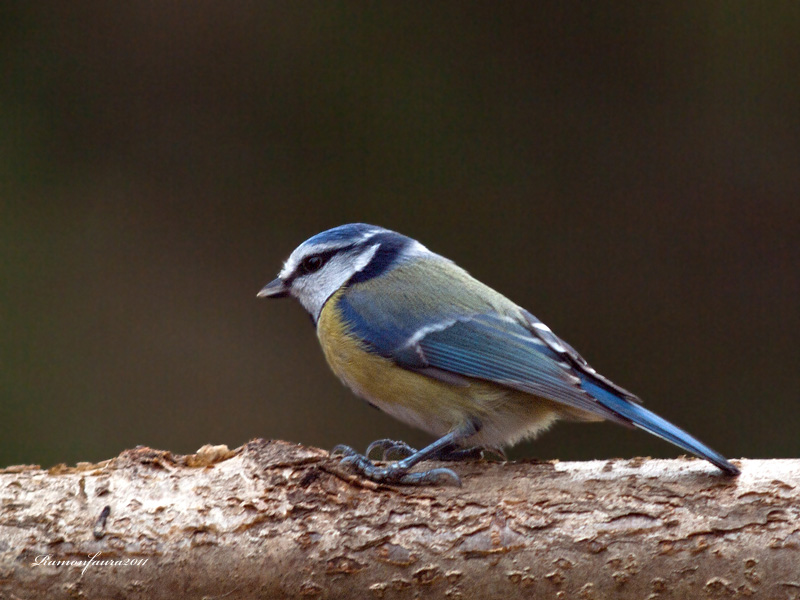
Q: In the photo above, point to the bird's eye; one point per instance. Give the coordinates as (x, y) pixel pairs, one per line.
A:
(312, 263)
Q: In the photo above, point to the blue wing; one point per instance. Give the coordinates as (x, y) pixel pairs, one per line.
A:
(461, 342)
(449, 338)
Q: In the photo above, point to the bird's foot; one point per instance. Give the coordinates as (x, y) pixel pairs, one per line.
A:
(397, 450)
(397, 472)
(390, 449)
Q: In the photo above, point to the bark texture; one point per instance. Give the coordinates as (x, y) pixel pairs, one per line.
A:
(277, 520)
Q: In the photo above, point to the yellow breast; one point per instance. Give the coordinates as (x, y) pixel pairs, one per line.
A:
(434, 406)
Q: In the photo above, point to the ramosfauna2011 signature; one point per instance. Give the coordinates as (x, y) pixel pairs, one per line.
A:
(46, 560)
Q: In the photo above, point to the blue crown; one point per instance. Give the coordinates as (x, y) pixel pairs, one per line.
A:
(344, 233)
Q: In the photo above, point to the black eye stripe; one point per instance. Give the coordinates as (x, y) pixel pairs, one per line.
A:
(389, 249)
(303, 267)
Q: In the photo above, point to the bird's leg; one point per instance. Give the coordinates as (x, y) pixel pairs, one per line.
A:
(396, 450)
(398, 472)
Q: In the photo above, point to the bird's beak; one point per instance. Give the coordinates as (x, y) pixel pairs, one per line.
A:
(274, 289)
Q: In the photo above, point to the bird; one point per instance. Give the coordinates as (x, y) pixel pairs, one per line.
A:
(416, 336)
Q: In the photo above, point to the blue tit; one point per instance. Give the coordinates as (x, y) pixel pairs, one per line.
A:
(416, 336)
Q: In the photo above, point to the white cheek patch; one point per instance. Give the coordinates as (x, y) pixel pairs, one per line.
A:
(314, 289)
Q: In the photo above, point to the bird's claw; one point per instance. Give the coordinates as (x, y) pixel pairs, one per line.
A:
(390, 449)
(395, 472)
(342, 450)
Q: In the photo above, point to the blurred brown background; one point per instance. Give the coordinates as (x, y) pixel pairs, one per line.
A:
(629, 173)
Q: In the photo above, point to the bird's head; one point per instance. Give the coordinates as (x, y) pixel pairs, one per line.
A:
(337, 257)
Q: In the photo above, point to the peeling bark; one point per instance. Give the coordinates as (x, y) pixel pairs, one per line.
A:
(276, 520)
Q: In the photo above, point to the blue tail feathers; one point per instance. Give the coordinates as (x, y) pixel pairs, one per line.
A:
(651, 422)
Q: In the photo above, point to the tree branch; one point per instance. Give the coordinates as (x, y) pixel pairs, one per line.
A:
(276, 520)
